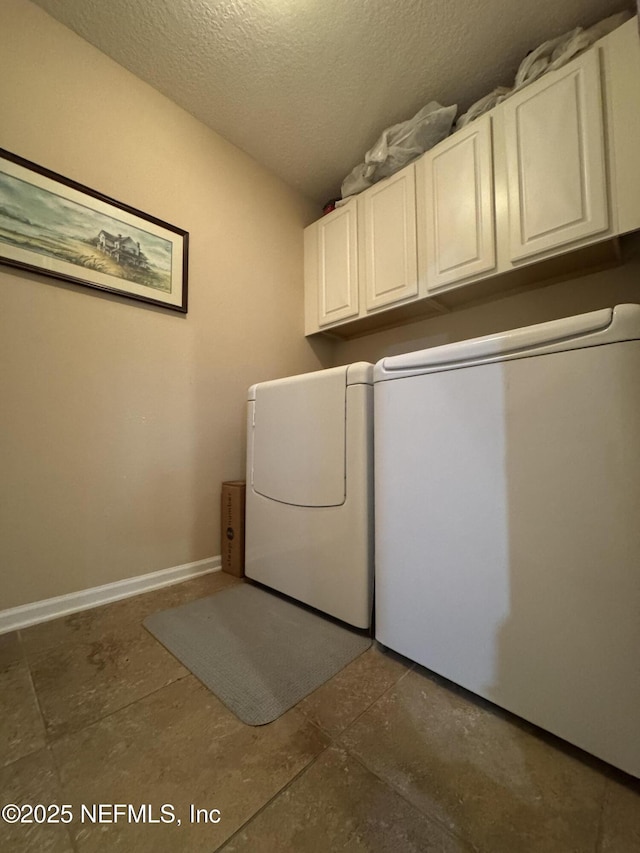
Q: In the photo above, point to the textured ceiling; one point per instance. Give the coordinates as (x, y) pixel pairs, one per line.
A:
(306, 86)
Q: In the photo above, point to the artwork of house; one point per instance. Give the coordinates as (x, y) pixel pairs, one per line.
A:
(124, 250)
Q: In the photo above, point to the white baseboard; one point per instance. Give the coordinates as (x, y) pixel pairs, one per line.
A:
(62, 605)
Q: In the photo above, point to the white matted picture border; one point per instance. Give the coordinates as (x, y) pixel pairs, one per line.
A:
(57, 227)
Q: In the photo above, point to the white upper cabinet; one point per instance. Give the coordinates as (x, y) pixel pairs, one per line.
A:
(337, 265)
(522, 194)
(389, 265)
(554, 138)
(455, 207)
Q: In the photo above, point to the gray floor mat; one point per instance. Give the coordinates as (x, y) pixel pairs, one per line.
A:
(259, 653)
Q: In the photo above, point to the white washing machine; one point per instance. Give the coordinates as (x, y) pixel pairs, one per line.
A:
(508, 522)
(309, 506)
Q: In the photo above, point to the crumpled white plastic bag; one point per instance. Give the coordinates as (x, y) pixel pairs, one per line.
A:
(483, 106)
(557, 52)
(547, 57)
(399, 145)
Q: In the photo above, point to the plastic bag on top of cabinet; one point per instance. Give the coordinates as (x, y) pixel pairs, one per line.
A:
(557, 52)
(547, 57)
(399, 145)
(483, 106)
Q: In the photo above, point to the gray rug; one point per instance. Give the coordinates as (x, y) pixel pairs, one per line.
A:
(259, 653)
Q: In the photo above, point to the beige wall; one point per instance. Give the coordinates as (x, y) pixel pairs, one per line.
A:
(535, 305)
(119, 421)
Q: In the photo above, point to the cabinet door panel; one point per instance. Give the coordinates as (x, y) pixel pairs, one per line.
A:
(555, 160)
(457, 181)
(337, 265)
(390, 255)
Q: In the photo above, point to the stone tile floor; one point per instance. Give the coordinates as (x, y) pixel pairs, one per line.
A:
(384, 757)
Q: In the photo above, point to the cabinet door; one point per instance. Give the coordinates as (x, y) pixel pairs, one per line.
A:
(389, 239)
(554, 138)
(455, 196)
(338, 265)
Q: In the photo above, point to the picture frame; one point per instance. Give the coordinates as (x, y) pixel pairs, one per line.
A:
(58, 227)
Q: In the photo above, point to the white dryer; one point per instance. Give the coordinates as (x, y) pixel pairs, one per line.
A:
(309, 507)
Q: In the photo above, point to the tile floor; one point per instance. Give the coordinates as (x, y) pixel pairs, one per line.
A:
(384, 757)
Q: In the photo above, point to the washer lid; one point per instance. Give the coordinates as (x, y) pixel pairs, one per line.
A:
(583, 330)
(299, 439)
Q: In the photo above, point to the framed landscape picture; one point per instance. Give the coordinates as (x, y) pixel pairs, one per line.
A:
(57, 227)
